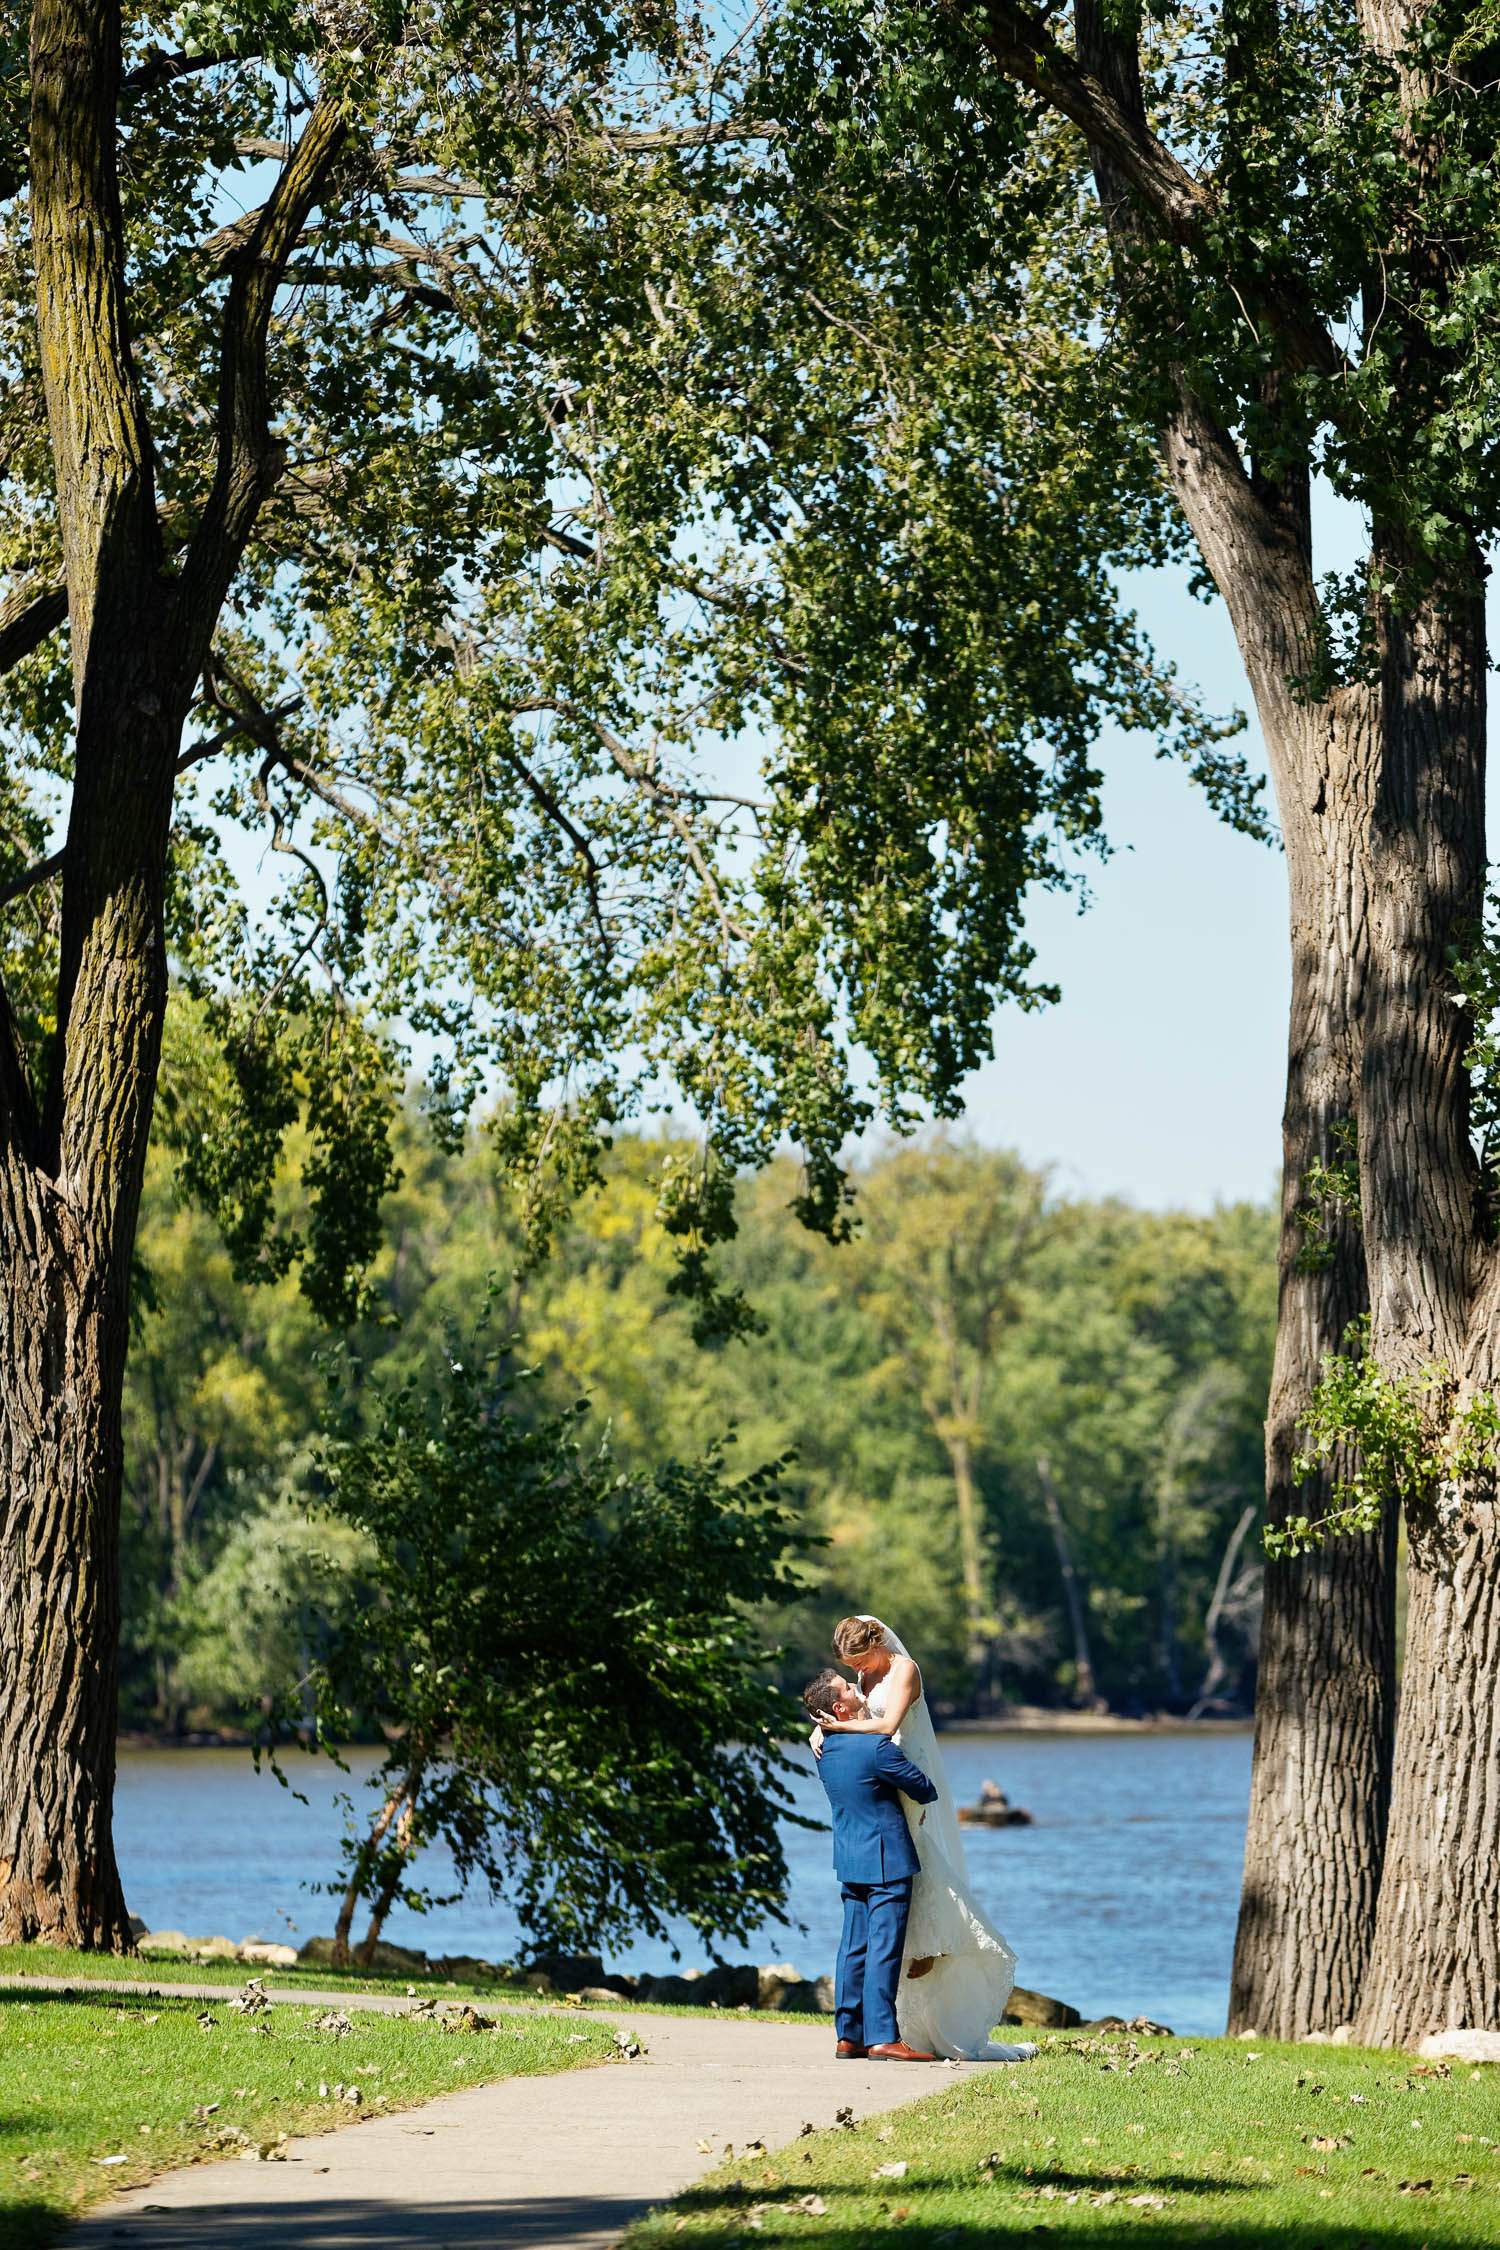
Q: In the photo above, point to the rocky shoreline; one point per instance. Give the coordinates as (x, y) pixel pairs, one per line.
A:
(736, 1987)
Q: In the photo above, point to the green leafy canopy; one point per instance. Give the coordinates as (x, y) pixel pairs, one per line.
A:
(676, 640)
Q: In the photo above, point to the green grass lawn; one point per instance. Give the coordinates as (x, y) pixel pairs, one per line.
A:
(20, 1962)
(1164, 2142)
(51, 1961)
(102, 2093)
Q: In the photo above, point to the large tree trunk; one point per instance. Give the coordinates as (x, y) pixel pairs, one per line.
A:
(69, 1198)
(62, 1337)
(1324, 1697)
(1435, 1957)
(71, 1163)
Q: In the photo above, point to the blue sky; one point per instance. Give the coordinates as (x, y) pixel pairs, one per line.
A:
(1158, 1076)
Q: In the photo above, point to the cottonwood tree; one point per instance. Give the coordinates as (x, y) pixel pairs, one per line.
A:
(1293, 220)
(430, 470)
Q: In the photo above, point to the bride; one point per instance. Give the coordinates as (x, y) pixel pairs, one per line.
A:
(957, 1973)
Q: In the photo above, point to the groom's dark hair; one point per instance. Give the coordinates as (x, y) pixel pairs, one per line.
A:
(822, 1694)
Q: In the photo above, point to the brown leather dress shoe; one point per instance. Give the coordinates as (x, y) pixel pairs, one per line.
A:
(849, 2050)
(898, 2051)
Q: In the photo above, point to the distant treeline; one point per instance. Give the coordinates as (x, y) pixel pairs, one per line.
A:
(1027, 1428)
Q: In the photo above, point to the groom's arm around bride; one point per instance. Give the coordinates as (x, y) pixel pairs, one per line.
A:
(865, 1777)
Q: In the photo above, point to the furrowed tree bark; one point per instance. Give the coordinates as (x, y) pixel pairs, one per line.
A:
(71, 1162)
(1325, 1690)
(72, 1173)
(1434, 1262)
(1325, 1695)
(1435, 1296)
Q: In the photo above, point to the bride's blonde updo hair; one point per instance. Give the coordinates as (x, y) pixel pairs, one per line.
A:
(854, 1637)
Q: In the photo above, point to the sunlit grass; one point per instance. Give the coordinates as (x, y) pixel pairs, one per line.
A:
(1164, 2142)
(18, 1963)
(101, 2094)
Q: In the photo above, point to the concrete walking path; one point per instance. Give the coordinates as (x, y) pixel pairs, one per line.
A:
(562, 2162)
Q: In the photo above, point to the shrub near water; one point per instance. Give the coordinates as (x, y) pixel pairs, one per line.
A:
(1161, 2142)
(103, 2093)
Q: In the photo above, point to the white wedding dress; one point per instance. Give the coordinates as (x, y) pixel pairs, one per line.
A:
(953, 2008)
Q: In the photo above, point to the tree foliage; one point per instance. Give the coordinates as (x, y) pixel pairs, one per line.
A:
(1133, 1355)
(665, 656)
(563, 1661)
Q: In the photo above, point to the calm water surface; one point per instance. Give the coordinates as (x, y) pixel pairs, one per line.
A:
(1121, 1898)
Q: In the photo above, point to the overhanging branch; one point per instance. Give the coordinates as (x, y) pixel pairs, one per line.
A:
(1187, 210)
(28, 617)
(247, 463)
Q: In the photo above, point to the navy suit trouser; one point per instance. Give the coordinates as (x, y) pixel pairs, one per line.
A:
(869, 1965)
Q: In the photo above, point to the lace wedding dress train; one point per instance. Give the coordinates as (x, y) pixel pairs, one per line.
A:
(953, 2007)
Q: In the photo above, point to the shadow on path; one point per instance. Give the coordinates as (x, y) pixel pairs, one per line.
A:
(557, 2222)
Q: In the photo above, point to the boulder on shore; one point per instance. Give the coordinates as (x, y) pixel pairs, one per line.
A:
(164, 1945)
(1462, 2046)
(468, 1968)
(265, 1954)
(1040, 2010)
(394, 1960)
(730, 1984)
(673, 1991)
(566, 1972)
(784, 1989)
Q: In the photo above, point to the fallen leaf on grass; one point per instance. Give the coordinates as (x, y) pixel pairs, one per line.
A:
(466, 2019)
(251, 2000)
(812, 2204)
(109, 2159)
(1147, 2202)
(896, 2171)
(335, 2024)
(1328, 2141)
(1415, 2187)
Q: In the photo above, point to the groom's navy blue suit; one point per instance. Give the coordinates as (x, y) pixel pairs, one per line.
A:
(874, 1858)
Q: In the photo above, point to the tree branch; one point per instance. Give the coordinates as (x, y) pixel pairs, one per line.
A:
(28, 617)
(161, 68)
(247, 462)
(659, 792)
(45, 869)
(580, 843)
(1185, 208)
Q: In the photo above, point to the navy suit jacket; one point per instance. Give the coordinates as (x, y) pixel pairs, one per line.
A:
(866, 1776)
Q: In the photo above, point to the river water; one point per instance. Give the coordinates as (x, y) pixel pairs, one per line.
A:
(1121, 1898)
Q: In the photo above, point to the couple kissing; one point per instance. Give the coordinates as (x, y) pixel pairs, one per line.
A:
(921, 1975)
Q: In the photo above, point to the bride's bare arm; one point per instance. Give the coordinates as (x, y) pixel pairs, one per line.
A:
(905, 1685)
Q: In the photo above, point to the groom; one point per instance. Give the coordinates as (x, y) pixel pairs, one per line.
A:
(866, 1777)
